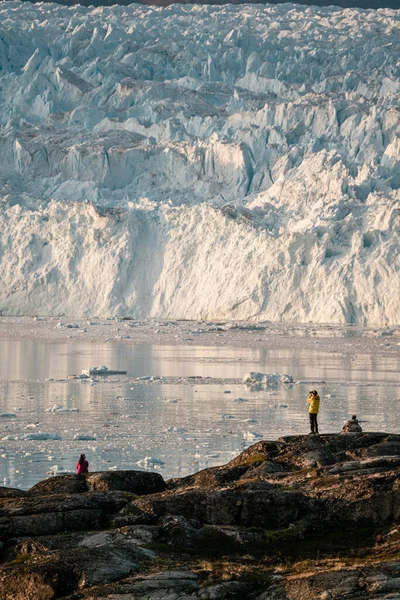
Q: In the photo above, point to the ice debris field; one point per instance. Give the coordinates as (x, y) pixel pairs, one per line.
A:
(236, 162)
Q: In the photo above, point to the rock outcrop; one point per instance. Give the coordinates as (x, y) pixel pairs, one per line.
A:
(136, 482)
(303, 517)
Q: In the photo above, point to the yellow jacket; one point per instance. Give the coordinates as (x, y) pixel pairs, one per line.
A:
(314, 404)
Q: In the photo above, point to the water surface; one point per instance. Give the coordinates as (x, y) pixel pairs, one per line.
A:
(183, 426)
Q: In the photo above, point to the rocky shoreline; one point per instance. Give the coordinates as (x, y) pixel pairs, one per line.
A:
(303, 517)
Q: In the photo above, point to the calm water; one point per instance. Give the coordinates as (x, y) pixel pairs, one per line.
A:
(179, 427)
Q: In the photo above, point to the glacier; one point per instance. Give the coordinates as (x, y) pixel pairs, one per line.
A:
(200, 162)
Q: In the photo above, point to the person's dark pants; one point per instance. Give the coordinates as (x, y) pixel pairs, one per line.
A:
(313, 423)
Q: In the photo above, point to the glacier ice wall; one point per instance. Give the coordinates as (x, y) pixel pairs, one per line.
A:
(236, 162)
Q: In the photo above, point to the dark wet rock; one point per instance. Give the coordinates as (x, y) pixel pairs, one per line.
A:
(11, 493)
(135, 482)
(61, 484)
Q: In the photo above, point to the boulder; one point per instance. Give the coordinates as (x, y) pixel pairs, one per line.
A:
(135, 482)
(11, 493)
(61, 484)
(210, 477)
(256, 454)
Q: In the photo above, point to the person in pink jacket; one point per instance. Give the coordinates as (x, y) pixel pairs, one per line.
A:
(82, 466)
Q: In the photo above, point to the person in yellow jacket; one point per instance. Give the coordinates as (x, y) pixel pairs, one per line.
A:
(313, 400)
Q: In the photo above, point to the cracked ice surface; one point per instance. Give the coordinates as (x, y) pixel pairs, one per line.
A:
(200, 162)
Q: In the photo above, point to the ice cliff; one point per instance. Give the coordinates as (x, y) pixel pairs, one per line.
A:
(200, 161)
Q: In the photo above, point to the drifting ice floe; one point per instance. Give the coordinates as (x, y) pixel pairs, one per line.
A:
(250, 436)
(175, 430)
(32, 436)
(57, 408)
(150, 462)
(254, 378)
(224, 165)
(102, 370)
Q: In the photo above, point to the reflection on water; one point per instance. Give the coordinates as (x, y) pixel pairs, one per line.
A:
(28, 359)
(187, 427)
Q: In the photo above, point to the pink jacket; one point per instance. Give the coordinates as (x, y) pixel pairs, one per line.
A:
(82, 468)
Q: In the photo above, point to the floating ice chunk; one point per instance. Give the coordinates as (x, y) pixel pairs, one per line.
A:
(57, 408)
(31, 426)
(84, 437)
(250, 436)
(54, 408)
(102, 370)
(41, 436)
(54, 470)
(254, 378)
(67, 326)
(149, 462)
(175, 430)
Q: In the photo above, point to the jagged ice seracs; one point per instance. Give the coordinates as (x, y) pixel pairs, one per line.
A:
(219, 162)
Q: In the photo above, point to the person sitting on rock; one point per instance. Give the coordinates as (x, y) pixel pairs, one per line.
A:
(82, 466)
(352, 426)
(313, 400)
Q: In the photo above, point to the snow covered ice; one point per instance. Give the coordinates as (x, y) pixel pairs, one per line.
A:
(200, 162)
(254, 378)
